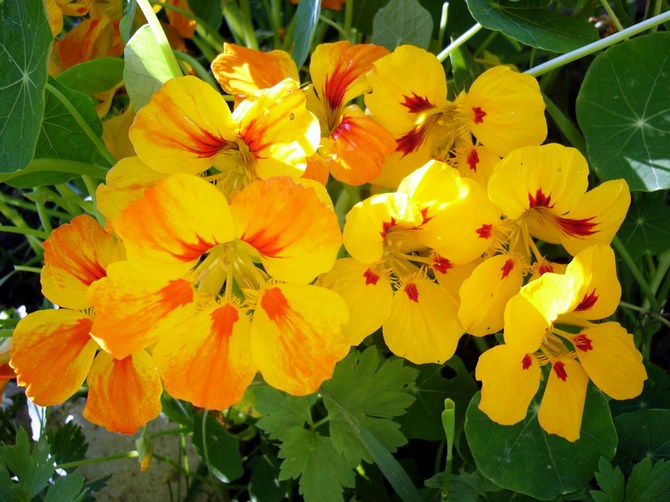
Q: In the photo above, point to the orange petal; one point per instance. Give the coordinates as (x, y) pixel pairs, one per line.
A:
(183, 127)
(115, 134)
(316, 169)
(206, 359)
(296, 336)
(123, 394)
(52, 352)
(185, 26)
(76, 255)
(296, 235)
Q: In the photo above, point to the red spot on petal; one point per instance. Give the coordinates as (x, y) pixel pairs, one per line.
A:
(578, 228)
(81, 11)
(386, 226)
(544, 268)
(411, 141)
(411, 292)
(223, 320)
(526, 362)
(441, 264)
(485, 231)
(370, 277)
(424, 214)
(479, 115)
(588, 301)
(275, 304)
(507, 268)
(540, 199)
(582, 342)
(416, 104)
(473, 159)
(178, 292)
(559, 369)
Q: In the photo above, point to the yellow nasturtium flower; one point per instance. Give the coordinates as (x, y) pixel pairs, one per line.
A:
(537, 333)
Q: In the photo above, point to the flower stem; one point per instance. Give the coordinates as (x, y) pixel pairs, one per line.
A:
(160, 37)
(458, 42)
(637, 275)
(610, 12)
(97, 460)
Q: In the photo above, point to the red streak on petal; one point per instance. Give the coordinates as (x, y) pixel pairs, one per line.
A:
(588, 301)
(81, 11)
(193, 251)
(540, 200)
(275, 304)
(177, 293)
(267, 245)
(441, 264)
(411, 141)
(479, 115)
(473, 159)
(507, 268)
(559, 369)
(582, 342)
(386, 226)
(223, 320)
(336, 85)
(544, 268)
(416, 104)
(526, 362)
(370, 277)
(343, 129)
(424, 215)
(411, 292)
(579, 228)
(485, 231)
(202, 143)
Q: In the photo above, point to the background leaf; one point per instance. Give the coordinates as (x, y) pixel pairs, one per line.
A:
(306, 17)
(611, 483)
(623, 108)
(532, 24)
(402, 22)
(645, 228)
(92, 77)
(32, 468)
(643, 434)
(25, 39)
(210, 12)
(223, 450)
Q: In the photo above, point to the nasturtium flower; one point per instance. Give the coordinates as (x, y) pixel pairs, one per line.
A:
(56, 9)
(54, 352)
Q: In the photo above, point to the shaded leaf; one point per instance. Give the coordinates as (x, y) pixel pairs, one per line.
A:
(180, 412)
(655, 394)
(611, 483)
(32, 468)
(623, 108)
(51, 172)
(402, 22)
(281, 411)
(363, 13)
(264, 485)
(68, 443)
(217, 447)
(643, 434)
(92, 77)
(306, 17)
(645, 228)
(70, 488)
(210, 12)
(648, 483)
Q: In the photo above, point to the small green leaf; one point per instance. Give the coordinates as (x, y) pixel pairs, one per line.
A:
(210, 12)
(525, 459)
(264, 485)
(623, 108)
(306, 17)
(33, 469)
(643, 434)
(68, 443)
(70, 488)
(25, 39)
(146, 68)
(281, 411)
(180, 412)
(92, 77)
(648, 483)
(218, 447)
(534, 25)
(402, 22)
(645, 228)
(611, 483)
(323, 472)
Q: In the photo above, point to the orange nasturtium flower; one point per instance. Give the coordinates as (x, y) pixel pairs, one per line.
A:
(192, 286)
(53, 351)
(538, 331)
(187, 127)
(503, 109)
(399, 243)
(353, 146)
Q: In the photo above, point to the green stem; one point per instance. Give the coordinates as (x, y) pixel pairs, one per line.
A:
(655, 315)
(443, 24)
(99, 144)
(458, 42)
(23, 268)
(206, 26)
(160, 37)
(612, 15)
(21, 227)
(168, 432)
(661, 272)
(333, 24)
(233, 17)
(197, 68)
(594, 47)
(249, 33)
(98, 460)
(635, 272)
(481, 344)
(44, 217)
(566, 126)
(348, 18)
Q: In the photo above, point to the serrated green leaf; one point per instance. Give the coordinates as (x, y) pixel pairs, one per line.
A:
(373, 391)
(402, 22)
(623, 108)
(218, 447)
(306, 17)
(533, 26)
(611, 483)
(525, 459)
(93, 77)
(25, 39)
(146, 68)
(70, 488)
(648, 483)
(643, 434)
(68, 443)
(323, 472)
(645, 228)
(33, 469)
(210, 12)
(281, 411)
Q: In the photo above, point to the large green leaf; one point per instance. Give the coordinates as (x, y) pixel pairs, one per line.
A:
(525, 459)
(645, 228)
(532, 24)
(217, 446)
(92, 77)
(623, 108)
(643, 434)
(363, 13)
(402, 22)
(25, 37)
(306, 17)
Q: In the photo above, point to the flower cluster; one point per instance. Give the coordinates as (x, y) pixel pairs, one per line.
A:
(217, 260)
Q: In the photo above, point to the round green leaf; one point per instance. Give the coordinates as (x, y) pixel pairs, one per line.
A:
(643, 434)
(402, 22)
(645, 228)
(623, 108)
(525, 459)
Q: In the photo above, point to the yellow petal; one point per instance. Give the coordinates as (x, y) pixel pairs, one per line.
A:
(562, 405)
(123, 394)
(399, 164)
(505, 110)
(485, 293)
(296, 235)
(296, 336)
(451, 277)
(608, 354)
(76, 255)
(476, 162)
(175, 222)
(206, 359)
(115, 134)
(52, 353)
(367, 292)
(183, 127)
(423, 326)
(510, 380)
